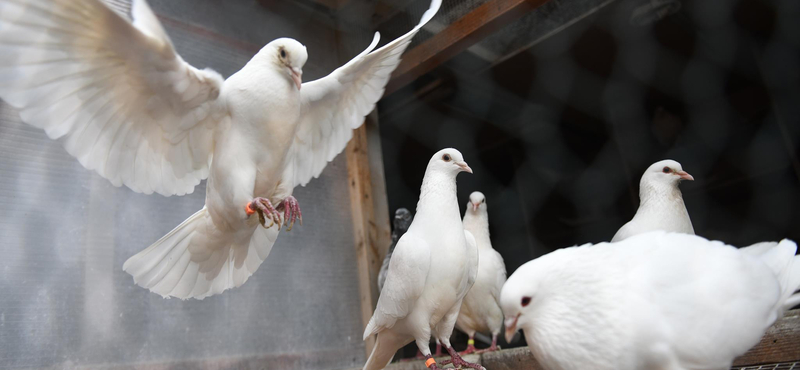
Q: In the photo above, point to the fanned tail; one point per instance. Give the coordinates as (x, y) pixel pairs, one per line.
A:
(781, 258)
(196, 260)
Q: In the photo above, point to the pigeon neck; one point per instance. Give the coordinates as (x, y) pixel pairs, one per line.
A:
(438, 196)
(478, 224)
(658, 193)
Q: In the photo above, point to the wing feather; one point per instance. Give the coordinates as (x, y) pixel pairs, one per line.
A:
(335, 105)
(115, 92)
(405, 281)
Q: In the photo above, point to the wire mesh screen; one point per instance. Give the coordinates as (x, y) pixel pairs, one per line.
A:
(561, 120)
(65, 232)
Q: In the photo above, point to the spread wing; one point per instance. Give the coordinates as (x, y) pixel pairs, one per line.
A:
(405, 281)
(335, 105)
(115, 93)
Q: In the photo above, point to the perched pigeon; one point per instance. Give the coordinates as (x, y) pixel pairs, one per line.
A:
(480, 311)
(653, 301)
(402, 220)
(127, 106)
(660, 202)
(431, 270)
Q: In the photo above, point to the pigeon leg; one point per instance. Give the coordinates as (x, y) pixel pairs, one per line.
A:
(459, 362)
(493, 347)
(291, 211)
(431, 363)
(438, 352)
(470, 346)
(264, 208)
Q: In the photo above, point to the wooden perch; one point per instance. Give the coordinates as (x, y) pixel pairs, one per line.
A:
(463, 33)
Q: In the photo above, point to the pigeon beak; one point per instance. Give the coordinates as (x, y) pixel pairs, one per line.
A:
(475, 206)
(464, 167)
(297, 77)
(685, 175)
(511, 327)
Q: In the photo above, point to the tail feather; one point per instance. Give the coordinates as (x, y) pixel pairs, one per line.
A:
(196, 260)
(785, 264)
(386, 345)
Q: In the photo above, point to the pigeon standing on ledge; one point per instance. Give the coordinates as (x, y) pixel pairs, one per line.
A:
(431, 270)
(127, 106)
(653, 301)
(660, 202)
(480, 311)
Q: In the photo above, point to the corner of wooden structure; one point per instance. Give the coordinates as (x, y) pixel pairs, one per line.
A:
(369, 211)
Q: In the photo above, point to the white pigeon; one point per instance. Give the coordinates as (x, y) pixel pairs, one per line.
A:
(660, 202)
(431, 270)
(480, 311)
(127, 106)
(402, 220)
(658, 300)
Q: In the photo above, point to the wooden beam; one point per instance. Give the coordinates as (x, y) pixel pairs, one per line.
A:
(365, 230)
(463, 33)
(333, 4)
(781, 343)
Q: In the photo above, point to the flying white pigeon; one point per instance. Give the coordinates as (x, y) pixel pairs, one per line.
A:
(128, 107)
(402, 220)
(660, 202)
(656, 300)
(480, 311)
(431, 270)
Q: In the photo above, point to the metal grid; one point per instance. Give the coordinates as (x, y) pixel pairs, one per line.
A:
(779, 366)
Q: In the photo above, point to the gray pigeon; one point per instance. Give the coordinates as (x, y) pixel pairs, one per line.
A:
(402, 220)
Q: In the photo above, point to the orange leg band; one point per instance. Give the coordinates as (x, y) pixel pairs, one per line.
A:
(430, 362)
(249, 210)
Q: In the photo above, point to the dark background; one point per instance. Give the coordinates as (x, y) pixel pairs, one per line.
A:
(559, 133)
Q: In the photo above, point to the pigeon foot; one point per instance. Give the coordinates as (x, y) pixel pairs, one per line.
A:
(470, 349)
(291, 211)
(265, 211)
(459, 362)
(491, 348)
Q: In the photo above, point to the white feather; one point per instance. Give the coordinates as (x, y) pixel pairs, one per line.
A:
(127, 106)
(656, 300)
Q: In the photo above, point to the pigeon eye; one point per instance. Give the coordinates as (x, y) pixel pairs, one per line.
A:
(526, 301)
(283, 53)
(446, 157)
(483, 201)
(667, 170)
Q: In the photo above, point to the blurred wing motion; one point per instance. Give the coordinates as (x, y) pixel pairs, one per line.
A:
(405, 281)
(114, 92)
(335, 105)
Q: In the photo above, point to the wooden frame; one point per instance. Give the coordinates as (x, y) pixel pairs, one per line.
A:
(457, 37)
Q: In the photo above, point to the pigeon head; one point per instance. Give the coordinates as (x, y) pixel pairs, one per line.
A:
(448, 161)
(402, 219)
(665, 172)
(289, 56)
(518, 298)
(476, 201)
